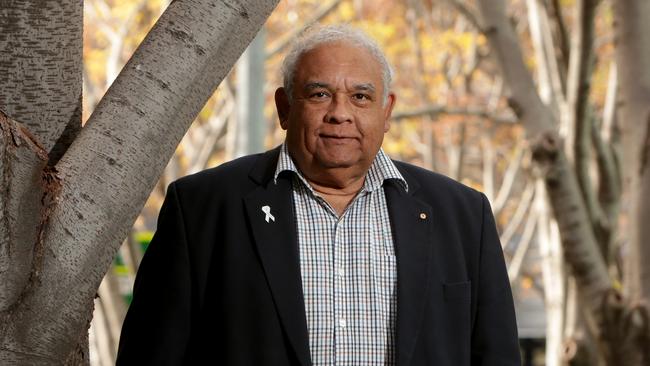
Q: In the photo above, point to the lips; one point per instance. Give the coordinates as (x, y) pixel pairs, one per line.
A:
(335, 136)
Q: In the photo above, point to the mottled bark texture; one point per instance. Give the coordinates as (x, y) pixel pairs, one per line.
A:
(112, 165)
(22, 161)
(40, 67)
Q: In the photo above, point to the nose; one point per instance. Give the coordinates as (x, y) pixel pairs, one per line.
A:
(339, 109)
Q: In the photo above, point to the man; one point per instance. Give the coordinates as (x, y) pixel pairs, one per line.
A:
(323, 251)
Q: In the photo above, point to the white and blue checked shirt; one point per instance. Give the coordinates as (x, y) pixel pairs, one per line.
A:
(348, 268)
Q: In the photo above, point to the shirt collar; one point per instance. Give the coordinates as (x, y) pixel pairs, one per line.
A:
(382, 168)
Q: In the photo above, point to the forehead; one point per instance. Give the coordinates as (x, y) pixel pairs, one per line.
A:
(338, 59)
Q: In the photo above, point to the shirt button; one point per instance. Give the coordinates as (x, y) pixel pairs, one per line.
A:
(342, 323)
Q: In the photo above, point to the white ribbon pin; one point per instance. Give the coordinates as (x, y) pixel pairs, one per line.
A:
(267, 211)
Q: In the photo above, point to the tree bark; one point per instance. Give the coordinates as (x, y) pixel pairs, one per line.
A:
(632, 39)
(40, 67)
(107, 173)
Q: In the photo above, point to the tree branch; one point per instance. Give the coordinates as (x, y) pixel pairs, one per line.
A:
(561, 34)
(581, 250)
(434, 110)
(579, 117)
(508, 179)
(632, 41)
(524, 99)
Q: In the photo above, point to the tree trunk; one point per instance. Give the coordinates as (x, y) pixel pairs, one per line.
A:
(95, 191)
(632, 37)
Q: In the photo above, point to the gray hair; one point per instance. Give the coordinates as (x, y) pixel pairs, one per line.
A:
(318, 35)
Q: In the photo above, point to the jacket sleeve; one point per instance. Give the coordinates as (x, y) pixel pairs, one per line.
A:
(157, 325)
(494, 334)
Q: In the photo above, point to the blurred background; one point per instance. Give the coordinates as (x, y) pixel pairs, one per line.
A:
(452, 116)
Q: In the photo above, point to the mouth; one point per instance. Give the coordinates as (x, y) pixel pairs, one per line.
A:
(335, 137)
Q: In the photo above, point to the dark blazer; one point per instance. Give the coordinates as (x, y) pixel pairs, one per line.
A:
(219, 285)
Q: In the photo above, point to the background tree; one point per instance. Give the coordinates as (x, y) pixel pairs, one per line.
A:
(70, 195)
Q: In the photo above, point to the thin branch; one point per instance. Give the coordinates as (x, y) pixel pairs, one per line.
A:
(541, 57)
(579, 119)
(456, 153)
(514, 268)
(562, 35)
(609, 192)
(216, 126)
(520, 212)
(508, 179)
(487, 153)
(475, 58)
(435, 109)
(557, 68)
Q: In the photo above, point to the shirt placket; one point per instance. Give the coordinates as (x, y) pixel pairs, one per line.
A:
(341, 319)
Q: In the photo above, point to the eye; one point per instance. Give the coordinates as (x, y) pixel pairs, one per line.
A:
(320, 94)
(361, 96)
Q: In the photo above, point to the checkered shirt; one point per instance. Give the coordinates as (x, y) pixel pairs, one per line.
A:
(348, 269)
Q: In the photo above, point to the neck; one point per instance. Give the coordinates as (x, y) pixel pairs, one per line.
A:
(338, 197)
(336, 187)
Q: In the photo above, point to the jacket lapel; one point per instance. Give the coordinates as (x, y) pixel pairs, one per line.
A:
(277, 245)
(410, 218)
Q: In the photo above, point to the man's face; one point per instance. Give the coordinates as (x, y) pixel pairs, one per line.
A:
(337, 117)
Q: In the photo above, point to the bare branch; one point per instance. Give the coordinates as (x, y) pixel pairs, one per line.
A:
(487, 154)
(632, 41)
(561, 33)
(578, 117)
(609, 192)
(434, 110)
(456, 153)
(517, 260)
(520, 212)
(508, 179)
(581, 250)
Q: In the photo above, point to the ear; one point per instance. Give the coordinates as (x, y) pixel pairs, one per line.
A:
(388, 110)
(283, 106)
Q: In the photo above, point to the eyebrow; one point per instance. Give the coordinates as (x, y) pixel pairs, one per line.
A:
(365, 87)
(369, 87)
